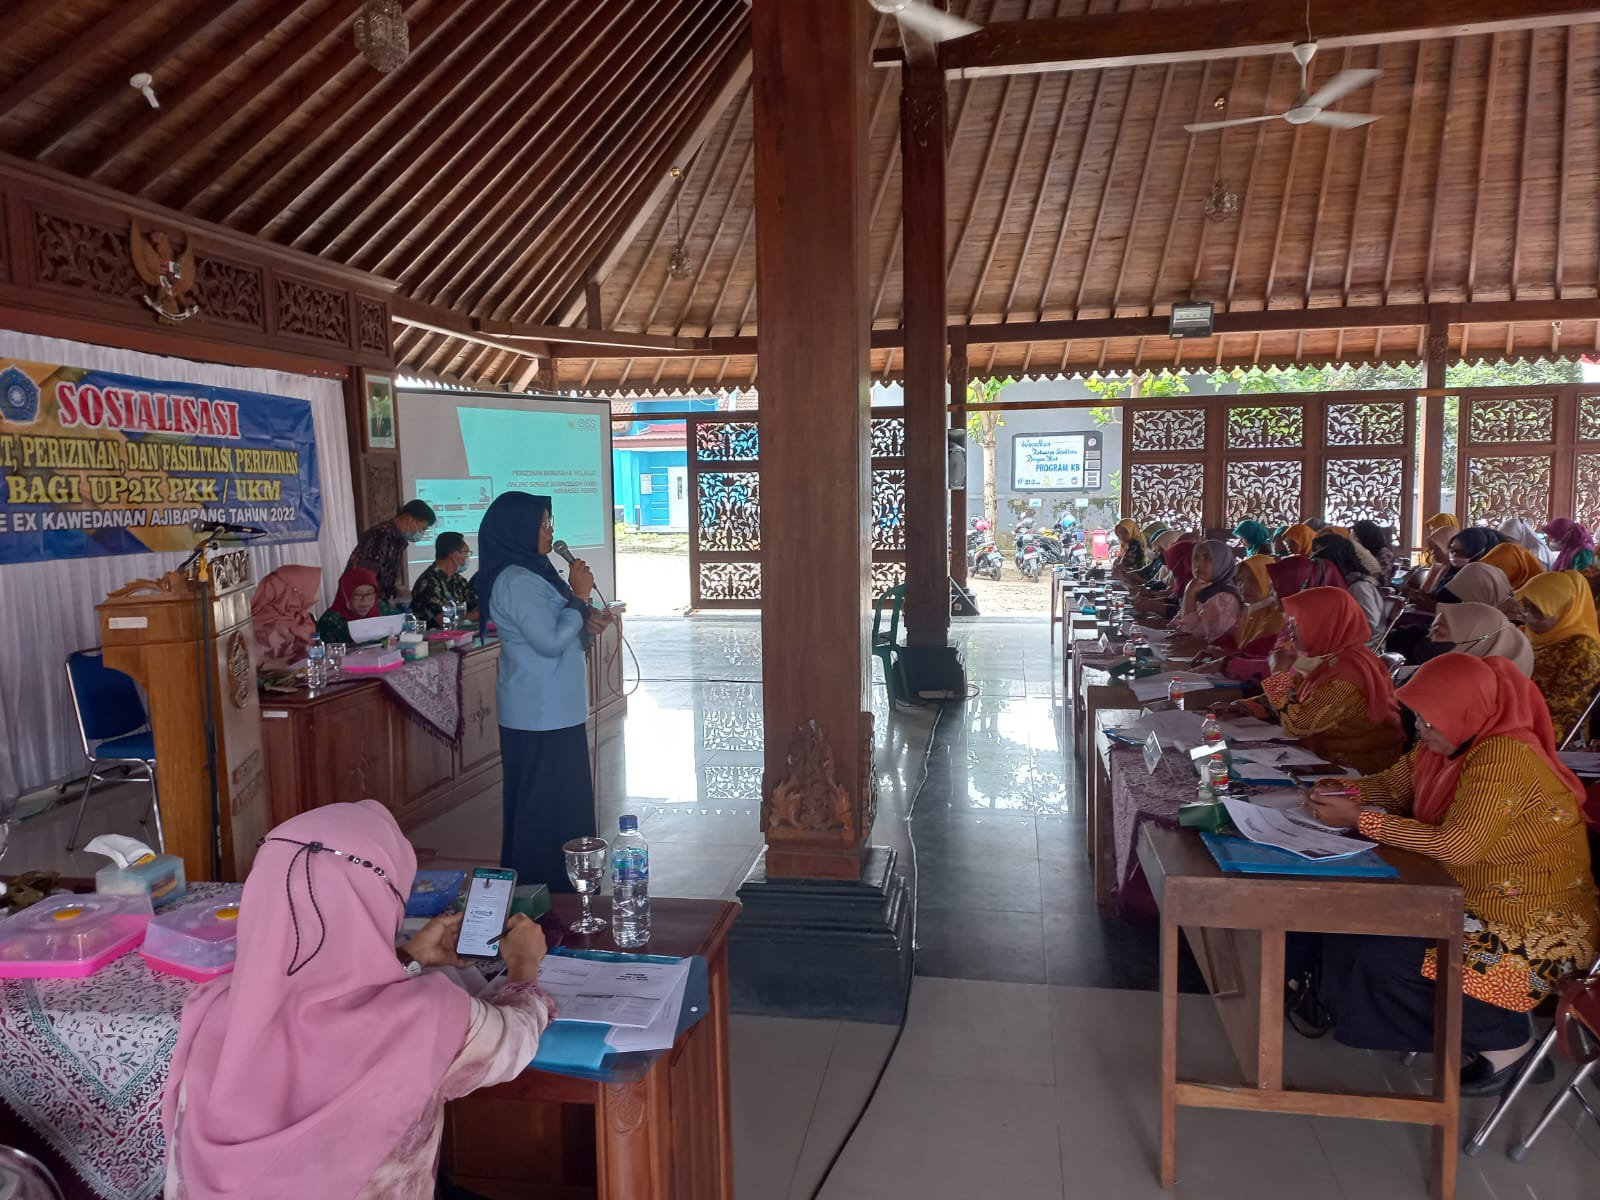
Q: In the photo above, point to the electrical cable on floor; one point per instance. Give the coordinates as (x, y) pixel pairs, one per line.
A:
(883, 1067)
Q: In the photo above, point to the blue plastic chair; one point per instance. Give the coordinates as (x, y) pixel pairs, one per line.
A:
(886, 645)
(115, 730)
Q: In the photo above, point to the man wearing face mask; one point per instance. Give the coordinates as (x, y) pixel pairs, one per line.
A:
(382, 549)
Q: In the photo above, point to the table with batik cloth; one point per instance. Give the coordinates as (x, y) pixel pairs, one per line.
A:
(1138, 796)
(429, 692)
(85, 1063)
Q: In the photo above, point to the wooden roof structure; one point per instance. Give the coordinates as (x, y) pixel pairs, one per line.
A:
(514, 177)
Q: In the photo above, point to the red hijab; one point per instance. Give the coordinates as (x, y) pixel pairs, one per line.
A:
(1179, 559)
(1296, 573)
(1468, 699)
(1332, 627)
(352, 579)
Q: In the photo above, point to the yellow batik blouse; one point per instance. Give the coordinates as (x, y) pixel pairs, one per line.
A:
(1567, 674)
(1333, 721)
(1514, 839)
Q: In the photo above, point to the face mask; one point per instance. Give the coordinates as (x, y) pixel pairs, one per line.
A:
(1305, 665)
(415, 537)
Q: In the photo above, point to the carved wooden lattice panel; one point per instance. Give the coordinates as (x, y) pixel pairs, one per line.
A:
(1266, 427)
(1264, 491)
(78, 254)
(1586, 480)
(888, 437)
(1163, 429)
(228, 292)
(886, 575)
(730, 511)
(1499, 488)
(1376, 423)
(1589, 419)
(1166, 491)
(1503, 419)
(727, 441)
(730, 581)
(1364, 489)
(312, 311)
(888, 510)
(373, 327)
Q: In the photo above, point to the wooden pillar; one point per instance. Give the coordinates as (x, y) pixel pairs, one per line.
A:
(958, 420)
(1431, 465)
(810, 73)
(922, 157)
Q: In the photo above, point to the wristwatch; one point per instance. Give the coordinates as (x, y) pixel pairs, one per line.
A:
(412, 966)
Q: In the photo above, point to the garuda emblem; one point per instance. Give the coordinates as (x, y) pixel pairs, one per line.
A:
(169, 272)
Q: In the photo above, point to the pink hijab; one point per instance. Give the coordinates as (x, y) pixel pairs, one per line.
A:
(280, 613)
(302, 1084)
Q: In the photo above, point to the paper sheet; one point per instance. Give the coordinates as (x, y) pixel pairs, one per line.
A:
(1154, 687)
(610, 992)
(661, 1032)
(1286, 756)
(1272, 827)
(1581, 762)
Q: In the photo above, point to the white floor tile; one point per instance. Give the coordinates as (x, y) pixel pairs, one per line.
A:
(781, 1041)
(772, 1109)
(843, 1098)
(970, 1029)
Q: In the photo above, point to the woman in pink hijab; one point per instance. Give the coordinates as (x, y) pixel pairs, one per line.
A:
(320, 1067)
(280, 614)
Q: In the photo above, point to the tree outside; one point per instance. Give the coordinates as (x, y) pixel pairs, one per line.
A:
(983, 428)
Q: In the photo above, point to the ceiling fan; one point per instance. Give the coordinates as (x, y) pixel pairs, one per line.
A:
(924, 20)
(1312, 109)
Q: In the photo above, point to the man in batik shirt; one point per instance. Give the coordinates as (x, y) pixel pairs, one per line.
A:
(445, 581)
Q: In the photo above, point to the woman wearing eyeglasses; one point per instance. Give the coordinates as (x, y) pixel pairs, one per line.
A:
(1482, 632)
(1485, 795)
(320, 1067)
(356, 600)
(1559, 613)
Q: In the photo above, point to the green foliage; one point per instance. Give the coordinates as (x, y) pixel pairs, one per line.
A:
(1144, 385)
(1383, 377)
(981, 426)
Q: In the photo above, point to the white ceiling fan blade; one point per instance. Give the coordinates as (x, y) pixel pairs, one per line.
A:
(1344, 120)
(933, 23)
(1340, 86)
(1205, 125)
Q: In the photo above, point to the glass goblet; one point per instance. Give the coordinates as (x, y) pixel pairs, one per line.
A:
(586, 867)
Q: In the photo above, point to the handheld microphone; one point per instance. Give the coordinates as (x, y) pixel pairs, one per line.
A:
(562, 549)
(199, 526)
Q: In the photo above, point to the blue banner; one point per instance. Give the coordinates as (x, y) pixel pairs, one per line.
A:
(95, 463)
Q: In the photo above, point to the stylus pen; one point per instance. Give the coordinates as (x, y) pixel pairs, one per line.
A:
(498, 936)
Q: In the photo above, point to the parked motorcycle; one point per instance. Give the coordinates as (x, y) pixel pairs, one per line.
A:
(988, 562)
(1028, 556)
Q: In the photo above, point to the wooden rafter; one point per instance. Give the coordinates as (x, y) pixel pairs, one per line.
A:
(1485, 146)
(1438, 175)
(1525, 167)
(1413, 123)
(1358, 207)
(1117, 143)
(1145, 170)
(1250, 185)
(96, 38)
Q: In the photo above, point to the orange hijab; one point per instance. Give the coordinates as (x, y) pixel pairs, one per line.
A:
(1518, 564)
(1332, 627)
(1300, 537)
(1468, 699)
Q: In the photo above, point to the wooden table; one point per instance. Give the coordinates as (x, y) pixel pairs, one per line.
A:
(667, 1137)
(1236, 925)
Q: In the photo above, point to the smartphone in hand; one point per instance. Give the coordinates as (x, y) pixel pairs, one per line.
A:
(488, 907)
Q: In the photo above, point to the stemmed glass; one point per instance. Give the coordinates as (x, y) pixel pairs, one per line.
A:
(586, 867)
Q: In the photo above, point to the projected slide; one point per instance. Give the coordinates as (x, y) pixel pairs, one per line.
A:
(460, 450)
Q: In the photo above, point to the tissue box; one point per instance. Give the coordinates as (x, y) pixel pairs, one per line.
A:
(160, 878)
(70, 936)
(532, 900)
(197, 942)
(371, 662)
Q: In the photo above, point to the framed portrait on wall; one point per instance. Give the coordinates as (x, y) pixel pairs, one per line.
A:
(380, 412)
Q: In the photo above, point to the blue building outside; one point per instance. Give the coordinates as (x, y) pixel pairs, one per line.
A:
(650, 466)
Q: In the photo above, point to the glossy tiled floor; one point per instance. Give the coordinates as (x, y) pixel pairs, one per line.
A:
(1027, 1066)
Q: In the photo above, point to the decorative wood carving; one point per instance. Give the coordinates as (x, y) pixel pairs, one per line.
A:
(625, 1106)
(241, 675)
(546, 378)
(226, 291)
(808, 799)
(373, 325)
(312, 311)
(868, 779)
(383, 485)
(77, 254)
(5, 260)
(167, 271)
(924, 111)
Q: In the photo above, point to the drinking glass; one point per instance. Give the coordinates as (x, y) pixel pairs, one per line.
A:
(586, 867)
(336, 661)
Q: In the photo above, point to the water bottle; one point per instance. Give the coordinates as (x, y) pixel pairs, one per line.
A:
(630, 885)
(1175, 693)
(316, 664)
(1211, 730)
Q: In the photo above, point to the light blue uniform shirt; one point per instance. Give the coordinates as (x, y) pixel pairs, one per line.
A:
(542, 682)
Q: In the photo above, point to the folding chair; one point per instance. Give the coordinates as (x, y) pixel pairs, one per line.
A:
(1582, 722)
(1580, 1014)
(886, 646)
(114, 728)
(1394, 606)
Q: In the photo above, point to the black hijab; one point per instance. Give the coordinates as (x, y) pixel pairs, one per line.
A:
(1476, 541)
(509, 537)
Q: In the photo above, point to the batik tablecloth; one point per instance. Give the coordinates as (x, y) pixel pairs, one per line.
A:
(430, 693)
(1138, 796)
(85, 1061)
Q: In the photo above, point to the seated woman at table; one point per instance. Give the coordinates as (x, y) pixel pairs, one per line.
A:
(320, 1067)
(1297, 573)
(1248, 646)
(1336, 695)
(1211, 603)
(1475, 583)
(1517, 564)
(1340, 553)
(1437, 531)
(1521, 531)
(1256, 537)
(1375, 540)
(1485, 795)
(1131, 551)
(1559, 615)
(1482, 632)
(356, 600)
(1296, 539)
(1571, 543)
(1164, 598)
(280, 615)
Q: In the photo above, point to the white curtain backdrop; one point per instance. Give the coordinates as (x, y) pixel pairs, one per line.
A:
(47, 608)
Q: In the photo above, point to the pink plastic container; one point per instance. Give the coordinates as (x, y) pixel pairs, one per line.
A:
(452, 637)
(197, 941)
(71, 936)
(372, 662)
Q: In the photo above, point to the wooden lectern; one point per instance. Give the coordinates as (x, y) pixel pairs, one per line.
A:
(187, 639)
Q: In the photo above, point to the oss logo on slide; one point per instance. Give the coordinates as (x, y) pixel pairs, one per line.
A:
(584, 423)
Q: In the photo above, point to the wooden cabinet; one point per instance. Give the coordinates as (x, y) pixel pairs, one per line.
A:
(353, 742)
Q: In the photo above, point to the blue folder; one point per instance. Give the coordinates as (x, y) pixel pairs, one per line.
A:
(1240, 856)
(579, 1048)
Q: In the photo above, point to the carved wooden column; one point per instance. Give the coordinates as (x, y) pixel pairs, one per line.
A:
(823, 931)
(1431, 466)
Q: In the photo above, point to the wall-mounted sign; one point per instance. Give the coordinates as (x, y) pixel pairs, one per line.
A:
(1056, 462)
(1191, 320)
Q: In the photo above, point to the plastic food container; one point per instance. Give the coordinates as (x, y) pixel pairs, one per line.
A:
(433, 892)
(71, 936)
(198, 941)
(371, 662)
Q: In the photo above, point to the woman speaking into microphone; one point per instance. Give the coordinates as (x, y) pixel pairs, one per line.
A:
(545, 625)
